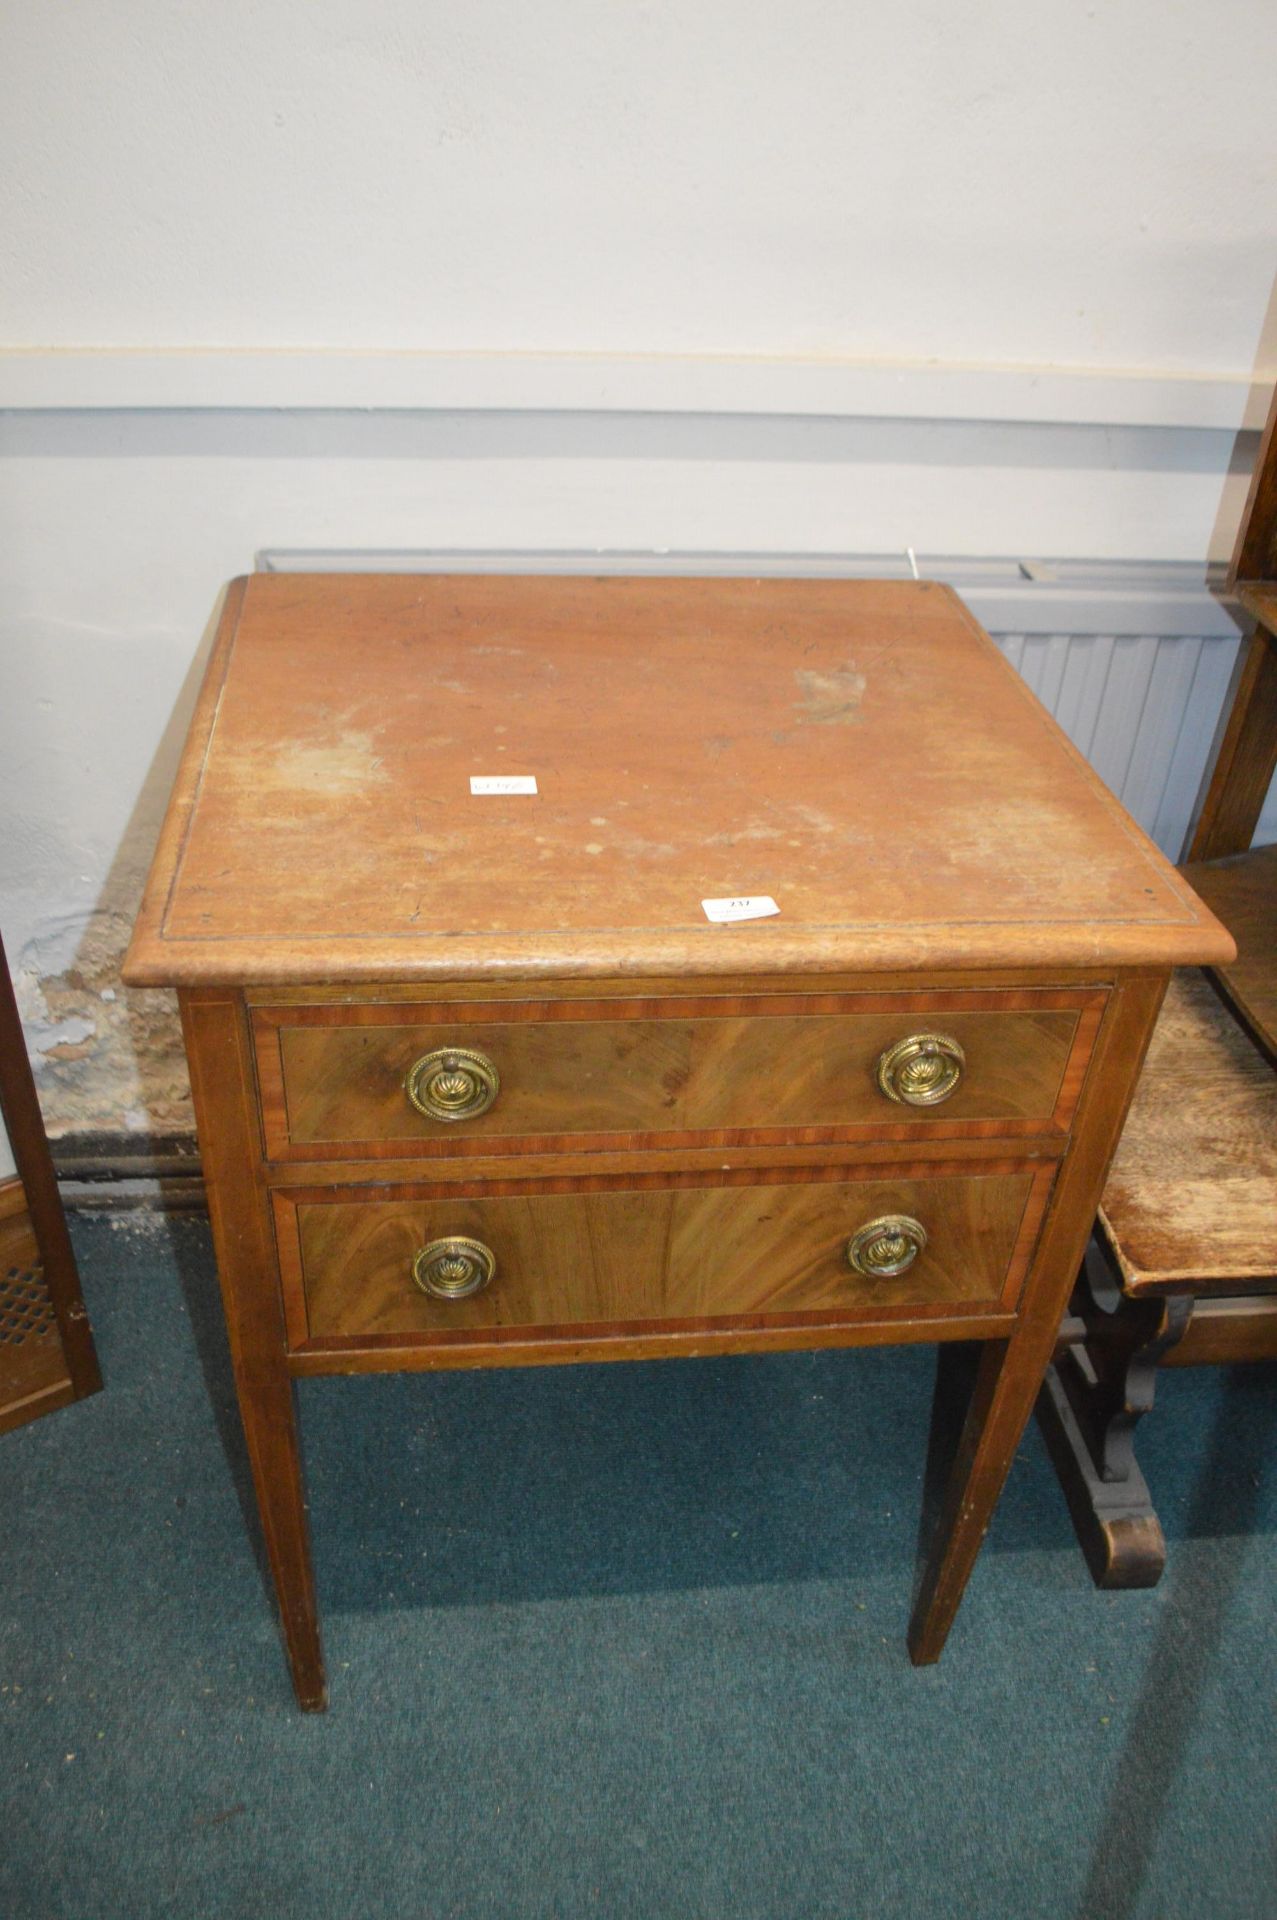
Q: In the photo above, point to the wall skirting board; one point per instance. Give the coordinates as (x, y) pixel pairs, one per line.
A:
(1133, 658)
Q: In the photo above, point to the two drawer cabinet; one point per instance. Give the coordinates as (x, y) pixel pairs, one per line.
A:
(609, 969)
(876, 1229)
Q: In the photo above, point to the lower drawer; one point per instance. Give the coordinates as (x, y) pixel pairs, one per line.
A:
(637, 1249)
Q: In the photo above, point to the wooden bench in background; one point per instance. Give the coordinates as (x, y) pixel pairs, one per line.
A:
(1182, 1267)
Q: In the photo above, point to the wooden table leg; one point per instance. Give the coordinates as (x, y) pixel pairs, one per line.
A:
(1000, 1403)
(1010, 1372)
(267, 1405)
(218, 1048)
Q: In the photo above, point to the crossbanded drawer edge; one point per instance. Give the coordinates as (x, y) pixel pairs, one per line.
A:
(454, 1201)
(325, 1042)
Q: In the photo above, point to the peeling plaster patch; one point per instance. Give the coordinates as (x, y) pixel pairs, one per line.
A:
(830, 699)
(56, 1039)
(71, 1042)
(105, 1057)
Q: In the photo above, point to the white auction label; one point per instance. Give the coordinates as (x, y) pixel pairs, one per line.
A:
(753, 906)
(503, 783)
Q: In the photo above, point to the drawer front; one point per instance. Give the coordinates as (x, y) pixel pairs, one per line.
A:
(340, 1082)
(640, 1249)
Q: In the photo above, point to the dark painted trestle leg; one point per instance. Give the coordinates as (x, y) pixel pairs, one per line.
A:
(1095, 1394)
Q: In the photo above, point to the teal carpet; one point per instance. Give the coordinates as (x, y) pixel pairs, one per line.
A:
(616, 1641)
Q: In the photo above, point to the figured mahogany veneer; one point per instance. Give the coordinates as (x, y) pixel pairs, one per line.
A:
(666, 1247)
(689, 1127)
(783, 1070)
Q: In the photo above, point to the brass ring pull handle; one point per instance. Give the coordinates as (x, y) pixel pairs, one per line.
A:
(452, 1083)
(455, 1268)
(887, 1246)
(922, 1070)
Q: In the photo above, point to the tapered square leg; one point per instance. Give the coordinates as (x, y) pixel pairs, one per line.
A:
(969, 1457)
(269, 1411)
(225, 1110)
(966, 1474)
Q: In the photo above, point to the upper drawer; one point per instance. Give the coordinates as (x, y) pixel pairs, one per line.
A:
(374, 1080)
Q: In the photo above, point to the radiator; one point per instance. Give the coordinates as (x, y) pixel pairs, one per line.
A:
(1143, 708)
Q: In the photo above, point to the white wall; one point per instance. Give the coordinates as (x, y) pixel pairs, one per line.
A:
(388, 273)
(1055, 182)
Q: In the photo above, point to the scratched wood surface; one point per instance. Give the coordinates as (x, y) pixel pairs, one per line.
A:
(728, 1073)
(1192, 1192)
(669, 1250)
(859, 750)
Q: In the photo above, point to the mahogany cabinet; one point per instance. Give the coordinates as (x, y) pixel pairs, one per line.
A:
(601, 969)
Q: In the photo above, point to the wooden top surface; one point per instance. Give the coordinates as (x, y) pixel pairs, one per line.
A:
(1242, 890)
(1192, 1192)
(858, 750)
